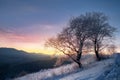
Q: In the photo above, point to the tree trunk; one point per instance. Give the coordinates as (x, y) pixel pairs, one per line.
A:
(79, 55)
(97, 55)
(77, 60)
(96, 50)
(79, 64)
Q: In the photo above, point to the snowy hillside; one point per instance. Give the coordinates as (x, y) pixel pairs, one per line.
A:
(108, 69)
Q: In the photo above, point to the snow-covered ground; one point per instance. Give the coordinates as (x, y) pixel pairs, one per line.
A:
(50, 72)
(91, 73)
(102, 70)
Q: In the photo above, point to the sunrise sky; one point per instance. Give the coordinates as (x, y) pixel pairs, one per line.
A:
(27, 24)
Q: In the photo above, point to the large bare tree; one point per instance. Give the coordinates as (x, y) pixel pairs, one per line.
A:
(80, 29)
(71, 40)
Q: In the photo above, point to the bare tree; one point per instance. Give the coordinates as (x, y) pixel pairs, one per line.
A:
(80, 29)
(71, 40)
(66, 43)
(100, 30)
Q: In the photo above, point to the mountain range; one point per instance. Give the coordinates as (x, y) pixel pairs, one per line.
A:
(14, 63)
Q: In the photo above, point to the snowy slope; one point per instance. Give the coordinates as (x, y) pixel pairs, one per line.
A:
(50, 73)
(101, 70)
(91, 73)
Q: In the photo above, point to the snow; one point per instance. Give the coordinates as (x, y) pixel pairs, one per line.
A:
(108, 69)
(91, 73)
(50, 72)
(114, 73)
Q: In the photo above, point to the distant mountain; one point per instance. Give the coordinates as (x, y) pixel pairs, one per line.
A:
(13, 62)
(11, 55)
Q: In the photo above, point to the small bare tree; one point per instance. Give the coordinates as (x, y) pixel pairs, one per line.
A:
(100, 30)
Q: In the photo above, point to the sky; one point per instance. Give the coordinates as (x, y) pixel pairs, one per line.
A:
(27, 24)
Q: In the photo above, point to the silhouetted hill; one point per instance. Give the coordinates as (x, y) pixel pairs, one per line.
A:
(11, 55)
(13, 62)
